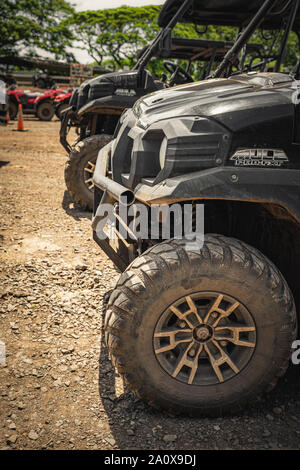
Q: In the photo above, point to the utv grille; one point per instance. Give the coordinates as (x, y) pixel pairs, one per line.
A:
(167, 149)
(193, 153)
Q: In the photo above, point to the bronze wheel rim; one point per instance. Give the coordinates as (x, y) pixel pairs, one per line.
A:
(88, 175)
(205, 338)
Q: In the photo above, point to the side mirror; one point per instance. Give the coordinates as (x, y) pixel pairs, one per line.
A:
(165, 44)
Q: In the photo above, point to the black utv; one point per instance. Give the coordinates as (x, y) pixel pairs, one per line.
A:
(203, 318)
(95, 108)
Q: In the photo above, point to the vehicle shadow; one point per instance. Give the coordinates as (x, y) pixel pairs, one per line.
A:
(73, 210)
(124, 411)
(134, 425)
(3, 163)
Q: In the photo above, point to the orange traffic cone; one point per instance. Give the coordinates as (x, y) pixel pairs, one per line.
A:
(20, 126)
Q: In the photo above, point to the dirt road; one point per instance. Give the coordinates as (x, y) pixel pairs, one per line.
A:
(58, 389)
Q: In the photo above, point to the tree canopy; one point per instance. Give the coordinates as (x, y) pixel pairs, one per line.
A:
(115, 34)
(29, 25)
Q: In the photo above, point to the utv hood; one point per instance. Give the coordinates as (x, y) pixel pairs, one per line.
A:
(126, 78)
(126, 85)
(219, 99)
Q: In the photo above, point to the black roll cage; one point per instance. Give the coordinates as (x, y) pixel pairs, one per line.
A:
(291, 7)
(143, 61)
(252, 26)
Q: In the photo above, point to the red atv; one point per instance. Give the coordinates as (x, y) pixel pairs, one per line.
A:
(44, 105)
(61, 102)
(16, 97)
(36, 103)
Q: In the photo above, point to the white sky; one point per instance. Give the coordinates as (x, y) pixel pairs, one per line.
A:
(82, 5)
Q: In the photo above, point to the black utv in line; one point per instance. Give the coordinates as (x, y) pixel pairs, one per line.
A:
(203, 325)
(95, 108)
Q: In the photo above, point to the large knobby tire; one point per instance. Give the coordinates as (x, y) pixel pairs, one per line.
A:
(226, 284)
(79, 169)
(45, 111)
(60, 109)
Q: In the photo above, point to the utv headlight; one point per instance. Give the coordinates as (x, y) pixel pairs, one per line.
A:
(188, 144)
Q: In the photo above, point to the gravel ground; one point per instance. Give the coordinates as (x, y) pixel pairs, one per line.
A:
(58, 389)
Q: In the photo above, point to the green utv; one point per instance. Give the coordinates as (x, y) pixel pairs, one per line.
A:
(203, 321)
(95, 108)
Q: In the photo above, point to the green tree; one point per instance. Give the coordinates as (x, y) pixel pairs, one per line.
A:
(112, 37)
(29, 25)
(116, 33)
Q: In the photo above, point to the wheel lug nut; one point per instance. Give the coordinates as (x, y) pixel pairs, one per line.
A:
(214, 314)
(224, 343)
(182, 324)
(203, 333)
(192, 352)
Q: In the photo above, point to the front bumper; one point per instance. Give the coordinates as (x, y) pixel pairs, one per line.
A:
(64, 129)
(108, 194)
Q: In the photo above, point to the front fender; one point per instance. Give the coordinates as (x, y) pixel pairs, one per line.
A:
(108, 105)
(268, 185)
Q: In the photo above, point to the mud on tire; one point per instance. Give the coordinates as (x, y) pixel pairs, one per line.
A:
(79, 169)
(169, 273)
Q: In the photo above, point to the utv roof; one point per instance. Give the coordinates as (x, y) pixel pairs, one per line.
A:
(200, 49)
(226, 13)
(50, 65)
